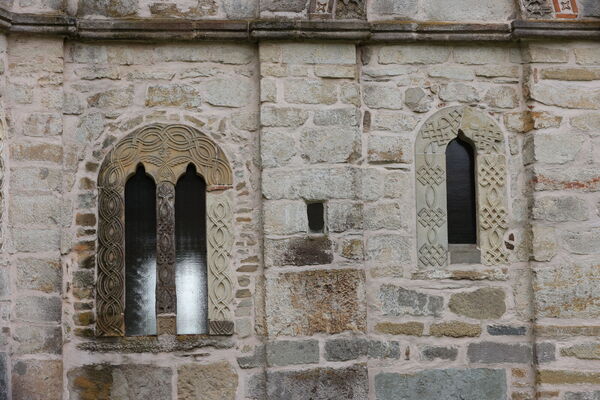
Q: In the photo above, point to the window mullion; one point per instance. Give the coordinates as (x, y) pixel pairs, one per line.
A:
(166, 297)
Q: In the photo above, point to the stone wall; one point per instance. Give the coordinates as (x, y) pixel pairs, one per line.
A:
(344, 313)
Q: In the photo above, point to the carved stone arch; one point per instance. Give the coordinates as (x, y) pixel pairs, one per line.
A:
(430, 168)
(165, 151)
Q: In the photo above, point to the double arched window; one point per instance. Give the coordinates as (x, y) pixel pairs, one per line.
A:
(460, 187)
(164, 235)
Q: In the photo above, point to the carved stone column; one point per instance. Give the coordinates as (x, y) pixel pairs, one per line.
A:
(166, 295)
(219, 243)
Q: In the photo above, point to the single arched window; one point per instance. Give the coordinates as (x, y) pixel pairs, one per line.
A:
(460, 191)
(164, 235)
(140, 254)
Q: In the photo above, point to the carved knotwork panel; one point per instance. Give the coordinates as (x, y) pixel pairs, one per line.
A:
(430, 178)
(165, 151)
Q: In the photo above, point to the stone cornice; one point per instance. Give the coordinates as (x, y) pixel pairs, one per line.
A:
(372, 32)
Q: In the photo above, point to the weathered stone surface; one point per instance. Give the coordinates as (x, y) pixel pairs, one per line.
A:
(502, 97)
(37, 380)
(492, 353)
(173, 95)
(544, 243)
(381, 350)
(459, 73)
(446, 384)
(228, 92)
(330, 144)
(582, 241)
(108, 8)
(459, 92)
(553, 331)
(389, 250)
(379, 96)
(298, 251)
(336, 71)
(257, 359)
(31, 339)
(277, 148)
(112, 98)
(48, 152)
(43, 124)
(284, 217)
(545, 352)
(431, 353)
(36, 210)
(561, 377)
(305, 303)
(217, 381)
(393, 121)
(319, 53)
(386, 215)
(35, 240)
(345, 349)
(567, 291)
(396, 8)
(413, 54)
(587, 56)
(587, 122)
(4, 376)
(38, 309)
(560, 208)
(286, 5)
(128, 381)
(311, 184)
(351, 248)
(344, 216)
(350, 383)
(405, 328)
(417, 100)
(557, 149)
(566, 96)
(485, 303)
(590, 8)
(287, 117)
(389, 149)
(478, 55)
(506, 330)
(306, 91)
(288, 352)
(542, 54)
(455, 329)
(582, 395)
(397, 301)
(586, 351)
(570, 74)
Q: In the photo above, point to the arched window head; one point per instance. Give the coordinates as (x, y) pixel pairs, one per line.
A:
(164, 235)
(443, 165)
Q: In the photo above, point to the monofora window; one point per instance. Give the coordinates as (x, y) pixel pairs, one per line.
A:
(460, 189)
(164, 235)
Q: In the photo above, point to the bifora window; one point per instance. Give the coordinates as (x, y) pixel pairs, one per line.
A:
(164, 235)
(446, 196)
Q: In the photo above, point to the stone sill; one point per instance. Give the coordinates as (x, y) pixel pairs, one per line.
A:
(155, 344)
(461, 254)
(252, 31)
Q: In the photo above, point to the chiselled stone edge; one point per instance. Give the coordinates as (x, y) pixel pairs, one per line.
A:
(395, 31)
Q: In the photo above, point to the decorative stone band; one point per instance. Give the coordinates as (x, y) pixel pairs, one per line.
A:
(430, 175)
(362, 31)
(165, 151)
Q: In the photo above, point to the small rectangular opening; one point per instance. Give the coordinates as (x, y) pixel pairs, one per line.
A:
(316, 217)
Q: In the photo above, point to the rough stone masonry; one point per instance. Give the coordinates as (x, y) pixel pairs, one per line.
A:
(312, 101)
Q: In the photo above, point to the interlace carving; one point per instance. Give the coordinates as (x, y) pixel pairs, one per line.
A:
(537, 8)
(165, 151)
(430, 167)
(166, 297)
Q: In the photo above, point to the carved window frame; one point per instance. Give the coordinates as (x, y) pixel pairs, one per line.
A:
(430, 178)
(165, 151)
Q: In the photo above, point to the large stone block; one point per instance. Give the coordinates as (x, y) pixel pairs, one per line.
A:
(31, 339)
(318, 53)
(442, 384)
(228, 92)
(43, 124)
(389, 149)
(567, 291)
(557, 149)
(394, 121)
(283, 6)
(431, 353)
(485, 303)
(4, 283)
(38, 309)
(226, 53)
(306, 91)
(287, 117)
(570, 377)
(414, 54)
(587, 55)
(344, 216)
(379, 96)
(459, 92)
(469, 10)
(35, 240)
(108, 8)
(298, 251)
(479, 55)
(349, 383)
(217, 381)
(48, 152)
(37, 380)
(128, 381)
(494, 353)
(582, 395)
(331, 144)
(455, 329)
(112, 98)
(389, 249)
(276, 148)
(309, 302)
(40, 178)
(173, 95)
(284, 217)
(560, 208)
(566, 96)
(398, 301)
(288, 352)
(35, 210)
(394, 8)
(582, 241)
(315, 183)
(586, 351)
(4, 374)
(386, 215)
(580, 177)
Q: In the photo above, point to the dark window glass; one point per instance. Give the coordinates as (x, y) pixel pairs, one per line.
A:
(190, 244)
(460, 170)
(140, 254)
(316, 217)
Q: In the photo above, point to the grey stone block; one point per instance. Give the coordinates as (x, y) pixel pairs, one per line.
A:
(319, 384)
(3, 376)
(345, 349)
(37, 339)
(257, 359)
(398, 301)
(582, 395)
(380, 349)
(4, 283)
(288, 352)
(38, 309)
(443, 384)
(506, 330)
(431, 353)
(283, 5)
(545, 352)
(590, 8)
(492, 353)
